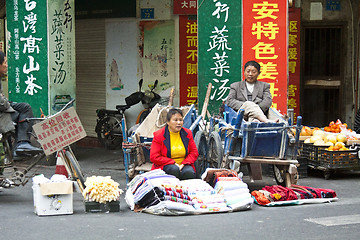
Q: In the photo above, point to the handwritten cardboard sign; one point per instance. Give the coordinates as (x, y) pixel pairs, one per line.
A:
(59, 131)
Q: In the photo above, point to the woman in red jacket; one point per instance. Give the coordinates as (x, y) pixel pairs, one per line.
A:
(173, 148)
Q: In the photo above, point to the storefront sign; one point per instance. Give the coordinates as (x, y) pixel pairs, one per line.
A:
(265, 41)
(41, 51)
(59, 131)
(188, 44)
(28, 51)
(61, 35)
(185, 7)
(294, 62)
(219, 53)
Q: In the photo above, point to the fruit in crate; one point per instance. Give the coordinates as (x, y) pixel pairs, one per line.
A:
(336, 127)
(341, 138)
(319, 133)
(305, 131)
(315, 138)
(339, 146)
(330, 138)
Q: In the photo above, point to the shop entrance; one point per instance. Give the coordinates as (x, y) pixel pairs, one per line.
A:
(322, 74)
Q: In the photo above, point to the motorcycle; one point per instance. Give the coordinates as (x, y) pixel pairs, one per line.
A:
(109, 127)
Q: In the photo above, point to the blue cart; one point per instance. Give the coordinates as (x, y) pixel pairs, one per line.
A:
(234, 142)
(136, 146)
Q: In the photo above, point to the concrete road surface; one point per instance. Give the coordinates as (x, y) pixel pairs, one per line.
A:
(337, 220)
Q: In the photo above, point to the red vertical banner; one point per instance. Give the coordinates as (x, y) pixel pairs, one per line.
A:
(265, 34)
(188, 47)
(294, 61)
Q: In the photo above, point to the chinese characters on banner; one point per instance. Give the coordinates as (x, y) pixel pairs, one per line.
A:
(188, 43)
(59, 131)
(41, 51)
(186, 7)
(61, 33)
(219, 58)
(294, 62)
(27, 55)
(265, 41)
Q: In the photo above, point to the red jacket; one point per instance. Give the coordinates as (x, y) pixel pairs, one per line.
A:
(160, 152)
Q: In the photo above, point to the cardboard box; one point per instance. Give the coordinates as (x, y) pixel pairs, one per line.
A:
(53, 198)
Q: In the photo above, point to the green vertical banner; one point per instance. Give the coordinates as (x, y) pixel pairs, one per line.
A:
(27, 53)
(41, 53)
(219, 49)
(61, 38)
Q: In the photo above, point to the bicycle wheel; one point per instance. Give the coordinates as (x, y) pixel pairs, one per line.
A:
(216, 152)
(109, 132)
(75, 171)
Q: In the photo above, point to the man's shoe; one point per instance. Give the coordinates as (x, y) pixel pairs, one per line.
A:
(25, 148)
(6, 183)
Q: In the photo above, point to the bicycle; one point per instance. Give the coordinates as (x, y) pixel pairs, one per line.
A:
(16, 173)
(109, 127)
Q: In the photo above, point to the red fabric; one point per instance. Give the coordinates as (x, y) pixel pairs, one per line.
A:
(286, 193)
(159, 152)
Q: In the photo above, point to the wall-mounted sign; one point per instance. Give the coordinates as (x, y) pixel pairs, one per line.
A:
(333, 5)
(185, 7)
(265, 34)
(188, 43)
(41, 51)
(147, 13)
(219, 53)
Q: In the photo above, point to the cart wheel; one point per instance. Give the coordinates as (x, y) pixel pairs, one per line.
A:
(109, 132)
(215, 152)
(201, 144)
(280, 174)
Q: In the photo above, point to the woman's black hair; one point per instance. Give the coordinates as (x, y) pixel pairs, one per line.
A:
(2, 57)
(172, 112)
(252, 63)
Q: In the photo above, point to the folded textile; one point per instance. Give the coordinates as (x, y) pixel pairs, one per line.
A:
(276, 193)
(242, 205)
(280, 193)
(179, 200)
(235, 192)
(235, 199)
(175, 194)
(260, 197)
(153, 197)
(222, 186)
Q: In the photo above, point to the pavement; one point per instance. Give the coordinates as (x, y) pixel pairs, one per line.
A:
(338, 220)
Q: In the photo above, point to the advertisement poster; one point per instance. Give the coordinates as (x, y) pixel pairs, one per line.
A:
(188, 43)
(265, 41)
(294, 62)
(220, 49)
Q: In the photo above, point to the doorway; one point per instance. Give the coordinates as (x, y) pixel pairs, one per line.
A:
(322, 74)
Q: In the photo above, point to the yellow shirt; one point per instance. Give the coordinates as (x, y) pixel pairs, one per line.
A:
(178, 151)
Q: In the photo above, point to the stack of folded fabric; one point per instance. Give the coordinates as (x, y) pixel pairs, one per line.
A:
(235, 192)
(204, 197)
(156, 187)
(276, 193)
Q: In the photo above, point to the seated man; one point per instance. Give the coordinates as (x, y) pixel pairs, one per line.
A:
(251, 95)
(19, 112)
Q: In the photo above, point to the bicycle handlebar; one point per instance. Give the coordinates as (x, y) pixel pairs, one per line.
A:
(72, 100)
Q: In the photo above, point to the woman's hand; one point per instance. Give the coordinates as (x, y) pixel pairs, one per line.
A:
(180, 166)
